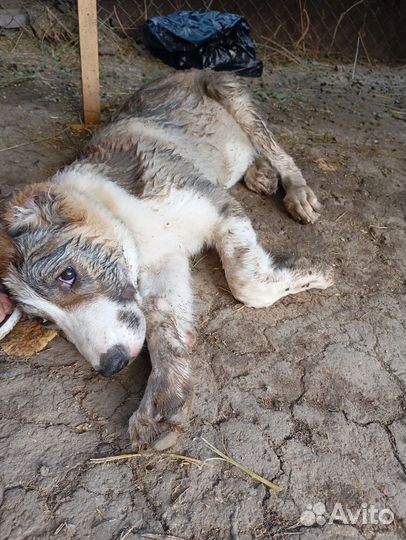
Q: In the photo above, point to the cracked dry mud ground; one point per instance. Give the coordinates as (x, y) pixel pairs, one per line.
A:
(308, 393)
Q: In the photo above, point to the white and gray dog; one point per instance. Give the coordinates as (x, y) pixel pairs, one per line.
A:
(102, 249)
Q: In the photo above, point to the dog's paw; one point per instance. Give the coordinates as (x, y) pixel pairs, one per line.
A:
(159, 429)
(261, 177)
(158, 434)
(302, 204)
(308, 273)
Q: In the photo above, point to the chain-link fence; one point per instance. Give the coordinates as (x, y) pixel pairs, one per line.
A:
(291, 28)
(335, 29)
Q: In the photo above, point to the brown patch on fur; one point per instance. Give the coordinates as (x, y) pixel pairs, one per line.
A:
(24, 200)
(71, 301)
(116, 143)
(44, 204)
(96, 151)
(38, 205)
(7, 252)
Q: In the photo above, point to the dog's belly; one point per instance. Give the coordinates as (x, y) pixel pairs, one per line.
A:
(232, 156)
(225, 148)
(206, 135)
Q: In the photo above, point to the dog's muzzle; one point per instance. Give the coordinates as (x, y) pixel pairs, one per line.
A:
(114, 360)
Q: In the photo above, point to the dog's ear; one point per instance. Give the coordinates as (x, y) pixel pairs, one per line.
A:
(35, 206)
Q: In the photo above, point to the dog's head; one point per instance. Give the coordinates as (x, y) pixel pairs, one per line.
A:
(69, 262)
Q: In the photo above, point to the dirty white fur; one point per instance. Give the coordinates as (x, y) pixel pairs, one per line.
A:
(178, 222)
(152, 188)
(237, 153)
(251, 273)
(100, 318)
(181, 222)
(110, 202)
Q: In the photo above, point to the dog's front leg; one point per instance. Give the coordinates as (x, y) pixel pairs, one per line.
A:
(168, 310)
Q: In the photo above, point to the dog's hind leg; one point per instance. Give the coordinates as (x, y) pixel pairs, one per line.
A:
(168, 310)
(252, 274)
(300, 200)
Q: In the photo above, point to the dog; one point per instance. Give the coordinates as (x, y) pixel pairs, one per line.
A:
(102, 249)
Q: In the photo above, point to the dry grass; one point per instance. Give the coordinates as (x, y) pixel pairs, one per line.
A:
(192, 461)
(170, 456)
(152, 536)
(250, 473)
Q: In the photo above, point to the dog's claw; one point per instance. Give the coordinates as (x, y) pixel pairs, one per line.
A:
(145, 431)
(166, 441)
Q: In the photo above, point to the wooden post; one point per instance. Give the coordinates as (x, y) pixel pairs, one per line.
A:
(89, 60)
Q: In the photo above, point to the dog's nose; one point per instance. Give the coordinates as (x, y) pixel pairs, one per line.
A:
(113, 360)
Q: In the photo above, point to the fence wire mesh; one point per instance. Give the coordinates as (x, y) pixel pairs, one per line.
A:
(339, 29)
(291, 28)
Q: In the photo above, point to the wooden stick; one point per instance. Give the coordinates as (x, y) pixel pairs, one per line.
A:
(89, 60)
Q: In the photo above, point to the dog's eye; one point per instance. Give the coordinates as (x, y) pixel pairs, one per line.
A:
(68, 276)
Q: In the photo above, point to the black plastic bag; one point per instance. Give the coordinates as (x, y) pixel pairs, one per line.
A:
(189, 39)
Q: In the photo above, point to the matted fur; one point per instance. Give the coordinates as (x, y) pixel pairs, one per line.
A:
(148, 193)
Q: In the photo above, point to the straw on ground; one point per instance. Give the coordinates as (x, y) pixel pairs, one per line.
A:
(231, 461)
(193, 461)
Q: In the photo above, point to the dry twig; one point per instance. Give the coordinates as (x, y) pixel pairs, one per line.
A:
(172, 456)
(130, 530)
(151, 536)
(305, 23)
(28, 143)
(341, 17)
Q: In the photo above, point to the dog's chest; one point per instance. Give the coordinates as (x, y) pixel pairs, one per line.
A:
(177, 223)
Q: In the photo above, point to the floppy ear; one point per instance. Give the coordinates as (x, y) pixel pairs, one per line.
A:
(34, 206)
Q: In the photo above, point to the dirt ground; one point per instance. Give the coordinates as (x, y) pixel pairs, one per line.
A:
(308, 393)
